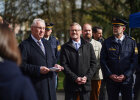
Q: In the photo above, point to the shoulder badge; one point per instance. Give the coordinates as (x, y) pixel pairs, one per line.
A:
(58, 48)
(136, 50)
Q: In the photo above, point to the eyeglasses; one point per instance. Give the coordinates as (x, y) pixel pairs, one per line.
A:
(41, 28)
(75, 30)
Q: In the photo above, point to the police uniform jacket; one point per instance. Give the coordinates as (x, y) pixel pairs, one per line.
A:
(117, 59)
(55, 45)
(78, 63)
(32, 59)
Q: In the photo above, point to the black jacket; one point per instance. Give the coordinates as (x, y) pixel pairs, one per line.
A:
(78, 64)
(13, 85)
(32, 59)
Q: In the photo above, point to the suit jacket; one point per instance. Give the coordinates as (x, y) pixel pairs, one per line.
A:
(97, 49)
(32, 59)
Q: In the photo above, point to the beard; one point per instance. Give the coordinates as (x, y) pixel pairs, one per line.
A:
(88, 36)
(116, 33)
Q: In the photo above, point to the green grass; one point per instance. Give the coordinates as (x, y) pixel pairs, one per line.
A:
(60, 80)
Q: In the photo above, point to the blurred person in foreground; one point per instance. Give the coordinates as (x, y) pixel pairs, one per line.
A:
(13, 85)
(55, 45)
(137, 80)
(1, 20)
(38, 62)
(118, 61)
(96, 79)
(79, 61)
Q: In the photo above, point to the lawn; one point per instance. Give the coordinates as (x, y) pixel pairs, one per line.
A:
(60, 80)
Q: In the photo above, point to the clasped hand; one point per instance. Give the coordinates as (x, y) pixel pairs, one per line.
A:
(81, 80)
(117, 78)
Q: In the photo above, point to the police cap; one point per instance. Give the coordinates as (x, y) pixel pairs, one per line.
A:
(49, 26)
(119, 22)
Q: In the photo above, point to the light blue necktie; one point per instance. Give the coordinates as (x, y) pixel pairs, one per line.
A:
(76, 46)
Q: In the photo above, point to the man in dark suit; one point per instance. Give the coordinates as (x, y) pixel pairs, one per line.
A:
(38, 60)
(79, 61)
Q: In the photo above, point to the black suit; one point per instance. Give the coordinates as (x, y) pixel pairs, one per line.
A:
(32, 59)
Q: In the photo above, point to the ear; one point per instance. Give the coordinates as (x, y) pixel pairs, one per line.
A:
(124, 28)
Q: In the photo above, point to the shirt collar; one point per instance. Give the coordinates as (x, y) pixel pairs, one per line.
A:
(35, 38)
(79, 42)
(47, 38)
(122, 38)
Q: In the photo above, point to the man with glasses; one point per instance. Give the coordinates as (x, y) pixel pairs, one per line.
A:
(118, 62)
(79, 62)
(38, 60)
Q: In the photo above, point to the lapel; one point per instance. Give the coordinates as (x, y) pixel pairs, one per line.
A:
(47, 47)
(33, 43)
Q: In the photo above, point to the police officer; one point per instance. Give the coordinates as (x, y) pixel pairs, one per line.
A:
(118, 62)
(54, 43)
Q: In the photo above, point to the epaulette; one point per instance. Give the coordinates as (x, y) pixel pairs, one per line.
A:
(131, 37)
(56, 38)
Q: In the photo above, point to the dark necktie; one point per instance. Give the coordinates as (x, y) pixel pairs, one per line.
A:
(119, 42)
(120, 45)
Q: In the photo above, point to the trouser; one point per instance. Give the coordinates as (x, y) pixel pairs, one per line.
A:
(113, 90)
(103, 91)
(137, 88)
(95, 85)
(77, 95)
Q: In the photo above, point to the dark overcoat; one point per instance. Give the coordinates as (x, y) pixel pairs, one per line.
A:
(78, 63)
(32, 59)
(13, 84)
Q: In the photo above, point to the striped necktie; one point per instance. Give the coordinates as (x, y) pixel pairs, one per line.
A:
(41, 46)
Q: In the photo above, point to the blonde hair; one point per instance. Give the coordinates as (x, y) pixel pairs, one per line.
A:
(74, 24)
